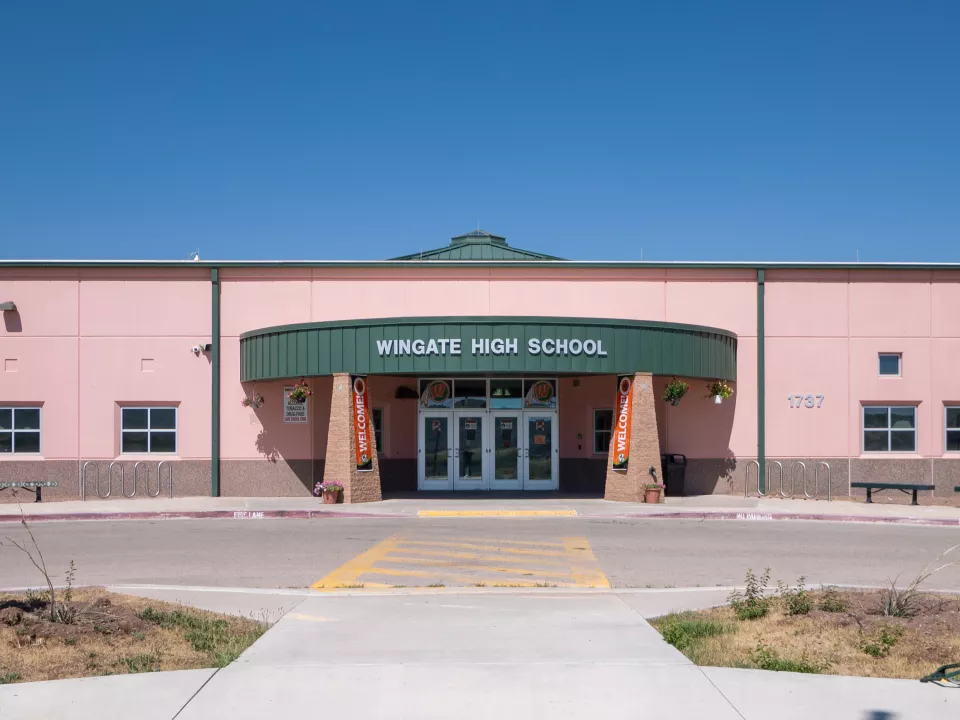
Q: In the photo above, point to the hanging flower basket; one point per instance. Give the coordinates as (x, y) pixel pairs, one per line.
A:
(301, 391)
(719, 391)
(253, 400)
(330, 491)
(674, 391)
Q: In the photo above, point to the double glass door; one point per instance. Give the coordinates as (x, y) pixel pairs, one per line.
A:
(496, 450)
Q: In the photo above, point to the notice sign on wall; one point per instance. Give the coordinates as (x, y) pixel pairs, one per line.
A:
(293, 411)
(624, 419)
(361, 424)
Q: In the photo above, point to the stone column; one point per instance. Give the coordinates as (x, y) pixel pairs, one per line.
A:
(341, 462)
(628, 485)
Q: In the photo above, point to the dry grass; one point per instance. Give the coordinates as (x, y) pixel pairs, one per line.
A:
(113, 640)
(835, 643)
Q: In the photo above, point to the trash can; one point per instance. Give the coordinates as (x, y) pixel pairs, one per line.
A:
(674, 469)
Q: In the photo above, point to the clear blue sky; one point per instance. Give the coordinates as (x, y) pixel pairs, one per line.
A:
(695, 130)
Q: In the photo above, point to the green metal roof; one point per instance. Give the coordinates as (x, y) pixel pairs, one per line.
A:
(477, 245)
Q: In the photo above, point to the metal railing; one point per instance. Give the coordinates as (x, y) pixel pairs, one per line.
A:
(780, 477)
(90, 471)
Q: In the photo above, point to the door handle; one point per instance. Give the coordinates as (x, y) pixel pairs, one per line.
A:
(456, 453)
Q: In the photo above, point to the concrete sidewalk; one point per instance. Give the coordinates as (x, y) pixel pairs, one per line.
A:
(705, 507)
(472, 653)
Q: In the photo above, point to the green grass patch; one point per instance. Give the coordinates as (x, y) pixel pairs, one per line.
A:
(220, 640)
(141, 663)
(10, 677)
(687, 631)
(766, 658)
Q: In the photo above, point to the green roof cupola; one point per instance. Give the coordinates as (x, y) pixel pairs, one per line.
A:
(477, 245)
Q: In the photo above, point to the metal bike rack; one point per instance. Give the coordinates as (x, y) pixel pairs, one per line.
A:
(136, 476)
(816, 474)
(83, 478)
(780, 474)
(160, 478)
(746, 480)
(802, 467)
(91, 470)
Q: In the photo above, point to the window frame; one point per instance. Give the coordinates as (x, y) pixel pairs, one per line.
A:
(947, 429)
(596, 432)
(888, 430)
(378, 436)
(898, 373)
(149, 431)
(13, 430)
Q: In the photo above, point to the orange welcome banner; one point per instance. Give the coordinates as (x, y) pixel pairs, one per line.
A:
(622, 423)
(361, 424)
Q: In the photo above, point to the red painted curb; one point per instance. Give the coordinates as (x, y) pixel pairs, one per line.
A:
(758, 515)
(202, 515)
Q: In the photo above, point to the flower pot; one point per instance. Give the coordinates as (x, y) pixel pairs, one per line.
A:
(717, 399)
(330, 497)
(652, 495)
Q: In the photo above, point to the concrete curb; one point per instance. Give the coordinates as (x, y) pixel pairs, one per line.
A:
(763, 516)
(201, 515)
(741, 516)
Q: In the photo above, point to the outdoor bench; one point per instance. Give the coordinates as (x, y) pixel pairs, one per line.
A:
(907, 488)
(32, 485)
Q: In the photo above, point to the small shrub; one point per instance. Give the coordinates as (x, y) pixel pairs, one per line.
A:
(140, 663)
(139, 636)
(880, 647)
(71, 574)
(765, 657)
(752, 603)
(796, 600)
(831, 602)
(10, 677)
(70, 641)
(684, 630)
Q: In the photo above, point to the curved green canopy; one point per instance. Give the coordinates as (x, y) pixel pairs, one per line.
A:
(510, 345)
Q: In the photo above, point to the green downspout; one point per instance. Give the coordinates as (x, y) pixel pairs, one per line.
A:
(215, 386)
(761, 391)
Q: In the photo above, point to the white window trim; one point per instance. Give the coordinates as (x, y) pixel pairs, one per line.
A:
(899, 357)
(609, 432)
(13, 432)
(864, 430)
(947, 429)
(148, 430)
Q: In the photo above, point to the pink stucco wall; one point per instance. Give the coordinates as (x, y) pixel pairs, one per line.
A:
(824, 332)
(84, 342)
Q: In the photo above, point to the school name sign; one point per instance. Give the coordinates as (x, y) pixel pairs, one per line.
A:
(490, 346)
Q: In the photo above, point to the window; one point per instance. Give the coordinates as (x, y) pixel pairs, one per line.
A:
(889, 429)
(19, 430)
(890, 364)
(952, 423)
(148, 430)
(378, 428)
(602, 428)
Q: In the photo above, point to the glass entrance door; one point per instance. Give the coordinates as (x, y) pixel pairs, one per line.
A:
(469, 455)
(541, 452)
(435, 458)
(505, 452)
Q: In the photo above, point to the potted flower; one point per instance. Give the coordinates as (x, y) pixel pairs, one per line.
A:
(253, 400)
(675, 390)
(301, 391)
(719, 391)
(652, 492)
(331, 491)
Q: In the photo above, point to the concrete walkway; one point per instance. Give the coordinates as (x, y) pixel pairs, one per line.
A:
(471, 653)
(706, 507)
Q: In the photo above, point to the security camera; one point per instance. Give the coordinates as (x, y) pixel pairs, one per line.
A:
(195, 349)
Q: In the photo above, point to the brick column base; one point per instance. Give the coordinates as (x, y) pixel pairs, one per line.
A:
(341, 461)
(628, 485)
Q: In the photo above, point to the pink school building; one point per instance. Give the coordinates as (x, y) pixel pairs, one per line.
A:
(486, 368)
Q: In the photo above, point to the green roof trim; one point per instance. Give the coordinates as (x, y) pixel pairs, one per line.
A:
(389, 346)
(477, 245)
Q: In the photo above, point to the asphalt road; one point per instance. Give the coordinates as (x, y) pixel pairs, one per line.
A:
(629, 553)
